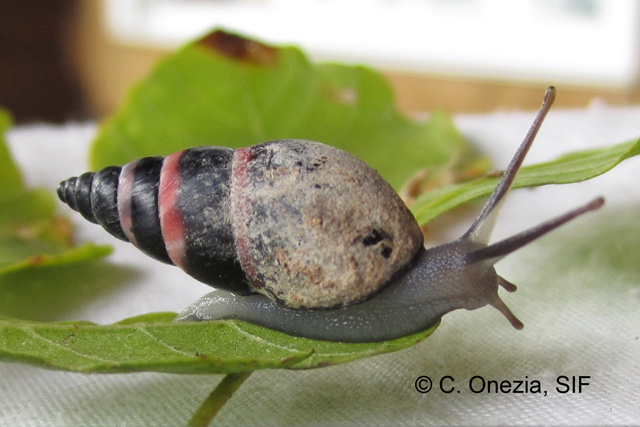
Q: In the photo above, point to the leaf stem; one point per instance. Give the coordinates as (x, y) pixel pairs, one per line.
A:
(218, 397)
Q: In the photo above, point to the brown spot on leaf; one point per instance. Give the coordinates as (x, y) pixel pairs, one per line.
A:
(36, 260)
(430, 178)
(285, 360)
(240, 48)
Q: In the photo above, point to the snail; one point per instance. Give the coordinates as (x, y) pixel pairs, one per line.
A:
(303, 238)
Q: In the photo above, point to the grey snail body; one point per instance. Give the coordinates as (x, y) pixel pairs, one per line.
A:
(354, 270)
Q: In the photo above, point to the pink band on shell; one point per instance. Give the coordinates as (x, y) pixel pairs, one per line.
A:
(171, 220)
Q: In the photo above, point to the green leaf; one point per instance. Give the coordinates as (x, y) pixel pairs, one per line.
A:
(9, 173)
(153, 342)
(230, 91)
(23, 257)
(25, 206)
(31, 235)
(574, 167)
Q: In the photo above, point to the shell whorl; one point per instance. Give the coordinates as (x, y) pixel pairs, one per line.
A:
(317, 227)
(94, 195)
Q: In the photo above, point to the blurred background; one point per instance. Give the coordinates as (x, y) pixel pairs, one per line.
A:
(64, 60)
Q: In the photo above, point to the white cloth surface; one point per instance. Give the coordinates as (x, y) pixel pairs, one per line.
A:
(579, 295)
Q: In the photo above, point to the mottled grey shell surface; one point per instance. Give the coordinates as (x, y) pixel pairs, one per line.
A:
(317, 227)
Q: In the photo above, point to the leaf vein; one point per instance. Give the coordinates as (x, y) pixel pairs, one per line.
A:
(262, 340)
(36, 335)
(163, 343)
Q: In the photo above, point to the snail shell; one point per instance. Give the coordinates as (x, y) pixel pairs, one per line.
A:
(304, 223)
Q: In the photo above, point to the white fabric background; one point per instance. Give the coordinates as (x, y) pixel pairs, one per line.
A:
(579, 295)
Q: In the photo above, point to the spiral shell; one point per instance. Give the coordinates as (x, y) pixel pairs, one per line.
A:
(304, 223)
